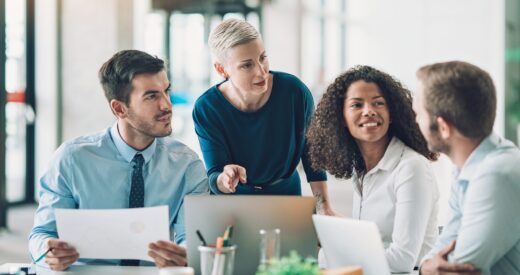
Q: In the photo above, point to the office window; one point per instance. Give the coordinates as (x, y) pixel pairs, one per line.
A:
(17, 113)
(323, 36)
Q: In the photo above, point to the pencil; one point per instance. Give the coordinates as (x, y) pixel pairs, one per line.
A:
(227, 235)
(43, 255)
(219, 260)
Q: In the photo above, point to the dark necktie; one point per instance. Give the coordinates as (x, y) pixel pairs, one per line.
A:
(136, 198)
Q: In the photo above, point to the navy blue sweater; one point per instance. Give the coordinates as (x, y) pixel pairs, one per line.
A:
(268, 143)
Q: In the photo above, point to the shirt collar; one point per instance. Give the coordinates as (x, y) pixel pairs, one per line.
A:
(485, 147)
(126, 150)
(392, 155)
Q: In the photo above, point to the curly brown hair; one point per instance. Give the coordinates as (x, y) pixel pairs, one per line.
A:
(332, 147)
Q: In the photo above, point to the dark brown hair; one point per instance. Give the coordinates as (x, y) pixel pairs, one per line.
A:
(117, 73)
(332, 147)
(460, 93)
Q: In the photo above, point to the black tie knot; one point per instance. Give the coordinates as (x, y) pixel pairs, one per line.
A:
(138, 160)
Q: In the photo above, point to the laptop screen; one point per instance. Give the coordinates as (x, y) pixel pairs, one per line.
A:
(248, 215)
(348, 242)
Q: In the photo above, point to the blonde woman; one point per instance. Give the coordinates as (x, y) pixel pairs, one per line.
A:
(252, 125)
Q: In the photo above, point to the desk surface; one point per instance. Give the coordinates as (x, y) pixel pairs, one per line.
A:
(85, 269)
(106, 270)
(112, 270)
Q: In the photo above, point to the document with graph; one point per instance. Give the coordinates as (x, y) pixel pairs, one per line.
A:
(113, 233)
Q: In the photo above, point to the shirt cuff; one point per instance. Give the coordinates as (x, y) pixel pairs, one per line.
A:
(319, 176)
(212, 179)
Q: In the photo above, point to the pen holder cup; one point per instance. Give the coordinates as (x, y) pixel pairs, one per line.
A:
(215, 261)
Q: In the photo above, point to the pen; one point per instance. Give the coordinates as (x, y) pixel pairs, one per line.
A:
(201, 238)
(42, 256)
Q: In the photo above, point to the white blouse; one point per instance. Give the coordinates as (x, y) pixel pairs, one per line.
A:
(400, 195)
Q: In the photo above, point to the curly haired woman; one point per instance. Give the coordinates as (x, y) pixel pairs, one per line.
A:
(364, 129)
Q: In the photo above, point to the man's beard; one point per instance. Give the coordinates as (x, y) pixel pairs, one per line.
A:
(147, 128)
(436, 144)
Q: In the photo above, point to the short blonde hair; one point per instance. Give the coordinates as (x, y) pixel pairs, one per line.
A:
(228, 34)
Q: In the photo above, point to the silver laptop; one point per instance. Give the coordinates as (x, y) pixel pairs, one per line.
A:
(348, 242)
(248, 214)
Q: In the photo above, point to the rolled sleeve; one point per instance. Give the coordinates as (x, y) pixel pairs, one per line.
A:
(212, 179)
(311, 174)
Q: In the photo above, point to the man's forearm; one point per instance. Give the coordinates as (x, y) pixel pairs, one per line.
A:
(37, 245)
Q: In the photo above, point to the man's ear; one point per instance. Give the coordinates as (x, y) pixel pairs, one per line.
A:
(445, 128)
(220, 70)
(119, 108)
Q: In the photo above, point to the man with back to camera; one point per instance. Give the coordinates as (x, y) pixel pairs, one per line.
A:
(455, 107)
(132, 164)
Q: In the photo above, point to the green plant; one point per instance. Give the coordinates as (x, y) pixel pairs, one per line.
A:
(290, 265)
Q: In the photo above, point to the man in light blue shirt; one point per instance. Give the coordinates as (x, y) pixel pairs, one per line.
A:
(455, 107)
(134, 163)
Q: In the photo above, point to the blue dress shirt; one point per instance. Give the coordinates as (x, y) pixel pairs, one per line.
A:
(95, 171)
(484, 205)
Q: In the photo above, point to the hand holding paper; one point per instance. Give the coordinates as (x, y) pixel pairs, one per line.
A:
(166, 253)
(113, 233)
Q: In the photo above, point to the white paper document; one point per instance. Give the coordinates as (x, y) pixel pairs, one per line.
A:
(113, 233)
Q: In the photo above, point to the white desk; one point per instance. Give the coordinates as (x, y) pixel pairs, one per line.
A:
(86, 269)
(105, 270)
(113, 270)
(119, 270)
